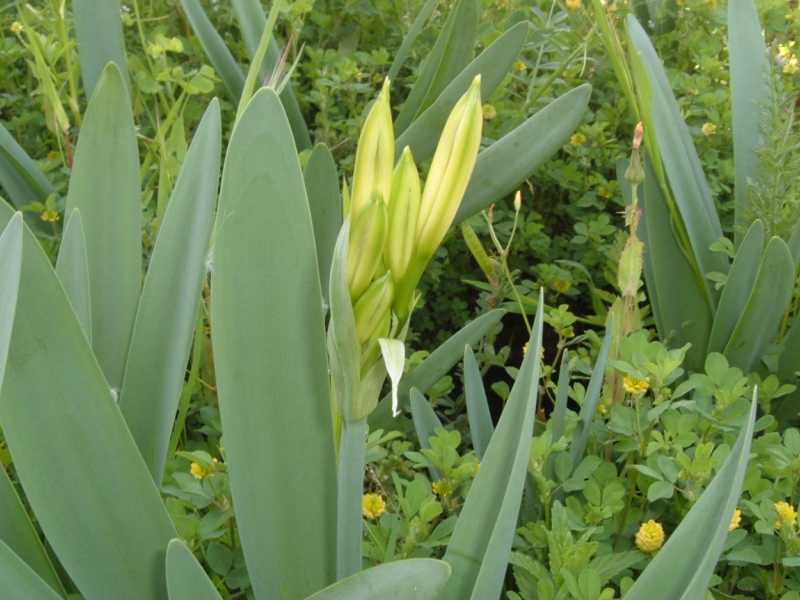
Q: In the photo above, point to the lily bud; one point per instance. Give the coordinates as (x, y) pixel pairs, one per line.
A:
(365, 251)
(374, 156)
(403, 215)
(373, 310)
(450, 172)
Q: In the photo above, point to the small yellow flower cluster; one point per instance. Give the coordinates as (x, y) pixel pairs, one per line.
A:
(16, 27)
(489, 112)
(520, 66)
(573, 4)
(372, 506)
(650, 537)
(50, 216)
(787, 515)
(736, 520)
(577, 139)
(788, 58)
(198, 471)
(637, 387)
(709, 129)
(443, 488)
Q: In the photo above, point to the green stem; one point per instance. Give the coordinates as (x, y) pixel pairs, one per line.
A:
(350, 480)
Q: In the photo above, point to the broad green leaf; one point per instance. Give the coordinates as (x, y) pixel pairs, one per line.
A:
(269, 346)
(480, 547)
(215, 48)
(186, 579)
(738, 286)
(492, 65)
(72, 267)
(749, 73)
(504, 165)
(251, 18)
(591, 399)
(66, 433)
(18, 581)
(20, 176)
(682, 569)
(478, 415)
(686, 178)
(761, 317)
(98, 27)
(417, 26)
(105, 188)
(322, 187)
(412, 579)
(685, 317)
(425, 420)
(10, 272)
(162, 333)
(350, 490)
(450, 54)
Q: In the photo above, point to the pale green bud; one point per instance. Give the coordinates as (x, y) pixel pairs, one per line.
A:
(403, 214)
(374, 156)
(365, 250)
(450, 171)
(373, 310)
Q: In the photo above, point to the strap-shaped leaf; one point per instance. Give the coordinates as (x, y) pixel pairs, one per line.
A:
(481, 544)
(20, 176)
(350, 489)
(98, 27)
(10, 272)
(481, 427)
(789, 362)
(416, 28)
(162, 332)
(559, 416)
(762, 315)
(683, 568)
(105, 188)
(505, 164)
(681, 163)
(186, 579)
(322, 187)
(72, 268)
(425, 420)
(18, 581)
(749, 72)
(738, 286)
(214, 46)
(269, 348)
(412, 579)
(492, 65)
(77, 462)
(450, 54)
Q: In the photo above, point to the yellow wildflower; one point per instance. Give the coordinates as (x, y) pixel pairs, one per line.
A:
(709, 129)
(50, 216)
(577, 139)
(442, 488)
(791, 66)
(635, 386)
(650, 536)
(525, 348)
(520, 66)
(489, 112)
(562, 286)
(16, 27)
(198, 471)
(736, 520)
(787, 515)
(53, 155)
(573, 4)
(372, 506)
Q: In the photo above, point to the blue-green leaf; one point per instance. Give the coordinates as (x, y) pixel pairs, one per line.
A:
(98, 27)
(591, 399)
(20, 176)
(186, 579)
(18, 581)
(72, 267)
(478, 415)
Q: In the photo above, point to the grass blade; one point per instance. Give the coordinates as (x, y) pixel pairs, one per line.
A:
(162, 332)
(65, 432)
(505, 164)
(98, 27)
(72, 267)
(417, 26)
(215, 48)
(478, 415)
(18, 581)
(272, 375)
(412, 579)
(322, 187)
(683, 568)
(749, 73)
(105, 188)
(480, 547)
(425, 423)
(186, 579)
(492, 65)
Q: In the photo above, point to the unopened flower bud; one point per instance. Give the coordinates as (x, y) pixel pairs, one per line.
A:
(373, 310)
(403, 214)
(365, 251)
(374, 156)
(517, 201)
(634, 174)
